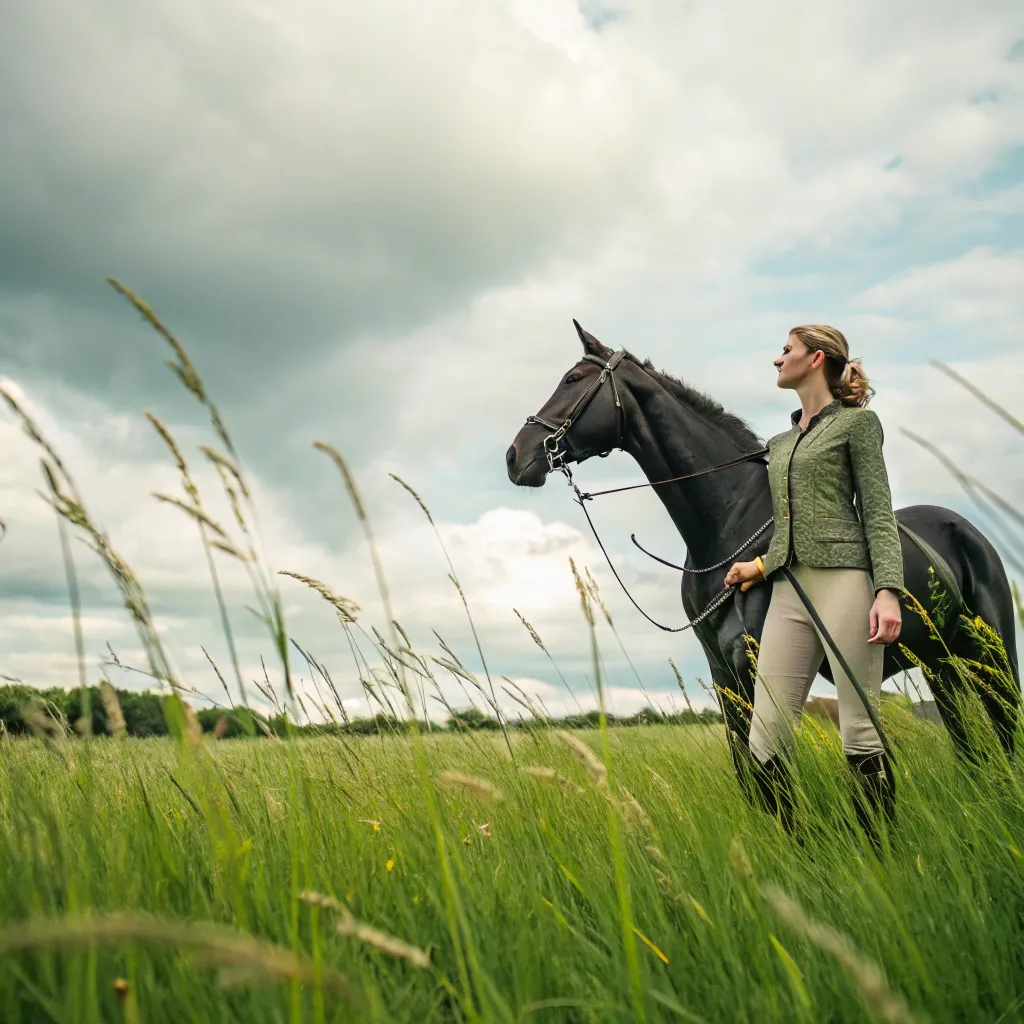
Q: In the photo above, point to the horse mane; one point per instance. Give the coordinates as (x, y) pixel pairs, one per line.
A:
(704, 405)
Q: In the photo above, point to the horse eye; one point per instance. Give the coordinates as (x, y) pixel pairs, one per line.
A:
(573, 378)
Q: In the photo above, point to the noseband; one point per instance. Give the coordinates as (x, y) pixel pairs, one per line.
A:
(557, 446)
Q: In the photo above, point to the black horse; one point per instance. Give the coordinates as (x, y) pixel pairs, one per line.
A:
(671, 430)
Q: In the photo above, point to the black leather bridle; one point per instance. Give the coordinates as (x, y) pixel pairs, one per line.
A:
(557, 446)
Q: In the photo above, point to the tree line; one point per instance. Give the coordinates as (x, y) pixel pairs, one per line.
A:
(144, 715)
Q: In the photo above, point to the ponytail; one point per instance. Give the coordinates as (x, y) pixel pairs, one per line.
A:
(852, 386)
(845, 376)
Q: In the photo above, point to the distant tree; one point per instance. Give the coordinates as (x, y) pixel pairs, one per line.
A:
(12, 700)
(97, 713)
(143, 713)
(472, 718)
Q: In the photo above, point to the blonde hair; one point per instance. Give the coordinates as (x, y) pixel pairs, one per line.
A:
(845, 376)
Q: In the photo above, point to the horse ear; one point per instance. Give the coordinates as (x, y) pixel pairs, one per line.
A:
(590, 344)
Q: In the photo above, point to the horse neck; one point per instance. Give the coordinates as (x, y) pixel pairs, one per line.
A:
(668, 438)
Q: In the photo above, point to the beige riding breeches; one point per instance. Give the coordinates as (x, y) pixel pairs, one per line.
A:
(791, 652)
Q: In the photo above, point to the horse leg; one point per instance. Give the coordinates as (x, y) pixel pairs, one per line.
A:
(988, 595)
(1001, 695)
(947, 687)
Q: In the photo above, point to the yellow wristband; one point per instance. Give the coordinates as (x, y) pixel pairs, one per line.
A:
(760, 566)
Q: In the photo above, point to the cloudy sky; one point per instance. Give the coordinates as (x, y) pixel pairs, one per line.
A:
(372, 225)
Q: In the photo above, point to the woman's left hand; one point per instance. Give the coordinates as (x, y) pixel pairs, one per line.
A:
(746, 574)
(886, 618)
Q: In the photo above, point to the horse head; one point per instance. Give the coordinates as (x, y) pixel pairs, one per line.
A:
(582, 418)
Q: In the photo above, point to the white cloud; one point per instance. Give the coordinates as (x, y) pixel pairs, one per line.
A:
(978, 292)
(374, 223)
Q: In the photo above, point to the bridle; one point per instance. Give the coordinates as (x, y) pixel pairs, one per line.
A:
(558, 447)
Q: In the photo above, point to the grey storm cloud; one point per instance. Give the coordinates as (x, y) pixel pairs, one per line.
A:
(276, 184)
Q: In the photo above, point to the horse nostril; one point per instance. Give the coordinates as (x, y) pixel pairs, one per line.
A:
(510, 456)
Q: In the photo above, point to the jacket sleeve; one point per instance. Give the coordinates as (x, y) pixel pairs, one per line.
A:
(875, 501)
(777, 549)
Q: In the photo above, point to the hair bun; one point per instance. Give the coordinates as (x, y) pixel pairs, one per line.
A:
(855, 388)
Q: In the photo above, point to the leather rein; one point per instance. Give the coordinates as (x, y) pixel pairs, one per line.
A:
(558, 447)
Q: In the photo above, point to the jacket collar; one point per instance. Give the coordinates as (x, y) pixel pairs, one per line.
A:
(826, 411)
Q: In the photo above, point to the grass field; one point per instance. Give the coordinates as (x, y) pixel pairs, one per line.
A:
(606, 875)
(513, 896)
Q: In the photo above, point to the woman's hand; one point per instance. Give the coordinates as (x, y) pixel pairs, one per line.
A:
(886, 618)
(744, 573)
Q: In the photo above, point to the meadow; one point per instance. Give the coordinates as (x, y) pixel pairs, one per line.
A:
(322, 880)
(522, 874)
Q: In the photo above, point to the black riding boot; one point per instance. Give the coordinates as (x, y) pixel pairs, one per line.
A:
(773, 789)
(874, 793)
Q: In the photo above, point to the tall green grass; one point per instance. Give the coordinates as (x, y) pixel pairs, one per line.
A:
(536, 870)
(497, 877)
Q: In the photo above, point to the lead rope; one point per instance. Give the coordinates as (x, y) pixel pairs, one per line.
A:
(711, 568)
(715, 603)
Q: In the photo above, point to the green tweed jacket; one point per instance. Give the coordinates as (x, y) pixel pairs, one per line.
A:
(813, 480)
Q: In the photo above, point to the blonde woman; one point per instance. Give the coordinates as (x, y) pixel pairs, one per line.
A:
(836, 532)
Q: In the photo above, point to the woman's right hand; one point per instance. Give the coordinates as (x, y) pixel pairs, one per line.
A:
(746, 574)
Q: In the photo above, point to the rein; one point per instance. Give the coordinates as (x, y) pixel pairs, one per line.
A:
(558, 447)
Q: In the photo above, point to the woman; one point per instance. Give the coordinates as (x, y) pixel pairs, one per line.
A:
(846, 557)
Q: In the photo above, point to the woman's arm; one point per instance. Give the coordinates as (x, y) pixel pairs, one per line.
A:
(875, 502)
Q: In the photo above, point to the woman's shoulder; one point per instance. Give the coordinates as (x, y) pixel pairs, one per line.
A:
(777, 438)
(860, 421)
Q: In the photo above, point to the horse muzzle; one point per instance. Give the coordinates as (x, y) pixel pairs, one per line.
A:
(528, 470)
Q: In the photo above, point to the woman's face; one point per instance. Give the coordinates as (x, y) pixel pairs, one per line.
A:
(796, 363)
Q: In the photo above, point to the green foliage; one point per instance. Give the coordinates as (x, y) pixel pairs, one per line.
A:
(942, 914)
(144, 714)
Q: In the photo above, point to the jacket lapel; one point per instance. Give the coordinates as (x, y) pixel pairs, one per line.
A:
(778, 462)
(821, 427)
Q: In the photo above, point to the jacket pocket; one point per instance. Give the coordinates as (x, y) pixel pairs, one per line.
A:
(828, 528)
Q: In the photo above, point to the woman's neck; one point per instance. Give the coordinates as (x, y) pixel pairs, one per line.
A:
(814, 396)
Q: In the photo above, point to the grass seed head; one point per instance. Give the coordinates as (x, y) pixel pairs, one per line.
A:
(116, 725)
(581, 589)
(210, 944)
(740, 860)
(193, 730)
(473, 784)
(632, 811)
(885, 1004)
(596, 768)
(534, 635)
(349, 925)
(345, 608)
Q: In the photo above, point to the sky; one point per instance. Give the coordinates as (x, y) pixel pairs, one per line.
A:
(372, 225)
